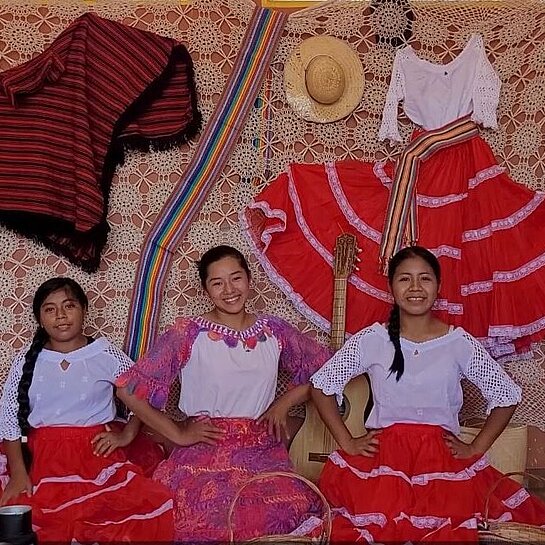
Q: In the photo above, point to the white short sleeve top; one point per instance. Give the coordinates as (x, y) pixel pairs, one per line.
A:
(429, 391)
(434, 95)
(81, 394)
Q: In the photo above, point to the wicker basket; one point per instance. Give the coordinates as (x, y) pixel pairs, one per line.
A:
(322, 539)
(510, 532)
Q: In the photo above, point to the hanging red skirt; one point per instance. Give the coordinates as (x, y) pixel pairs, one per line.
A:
(487, 231)
(81, 497)
(414, 490)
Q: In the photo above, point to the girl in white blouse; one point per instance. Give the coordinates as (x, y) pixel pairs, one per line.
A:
(410, 477)
(63, 450)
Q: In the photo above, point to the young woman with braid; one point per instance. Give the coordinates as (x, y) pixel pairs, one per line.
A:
(66, 456)
(410, 478)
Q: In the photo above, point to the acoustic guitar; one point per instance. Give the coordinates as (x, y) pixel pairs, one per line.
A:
(314, 443)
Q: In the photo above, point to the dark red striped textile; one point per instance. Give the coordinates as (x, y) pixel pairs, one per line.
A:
(65, 117)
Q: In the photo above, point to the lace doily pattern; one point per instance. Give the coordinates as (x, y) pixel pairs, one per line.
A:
(513, 34)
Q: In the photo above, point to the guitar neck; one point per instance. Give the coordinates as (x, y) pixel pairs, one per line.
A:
(338, 317)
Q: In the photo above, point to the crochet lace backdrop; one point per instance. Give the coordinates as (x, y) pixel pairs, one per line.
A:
(273, 136)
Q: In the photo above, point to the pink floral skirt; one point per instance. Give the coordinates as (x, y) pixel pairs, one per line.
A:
(204, 480)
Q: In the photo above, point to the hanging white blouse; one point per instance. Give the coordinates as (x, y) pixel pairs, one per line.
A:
(429, 391)
(79, 392)
(434, 95)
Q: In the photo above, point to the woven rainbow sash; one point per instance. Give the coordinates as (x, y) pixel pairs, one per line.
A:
(401, 225)
(218, 138)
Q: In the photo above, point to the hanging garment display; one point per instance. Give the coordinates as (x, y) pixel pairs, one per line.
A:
(66, 117)
(487, 230)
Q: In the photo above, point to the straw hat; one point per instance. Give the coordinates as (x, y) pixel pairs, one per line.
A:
(323, 79)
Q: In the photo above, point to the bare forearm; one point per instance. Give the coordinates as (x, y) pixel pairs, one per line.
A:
(155, 419)
(132, 427)
(496, 422)
(327, 407)
(296, 395)
(14, 455)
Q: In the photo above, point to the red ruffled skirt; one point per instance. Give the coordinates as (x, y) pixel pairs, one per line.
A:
(206, 478)
(415, 490)
(487, 231)
(87, 498)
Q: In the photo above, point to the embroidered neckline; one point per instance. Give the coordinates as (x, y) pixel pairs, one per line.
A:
(419, 346)
(258, 332)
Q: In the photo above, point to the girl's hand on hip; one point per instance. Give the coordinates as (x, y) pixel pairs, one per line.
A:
(276, 418)
(458, 448)
(105, 442)
(200, 430)
(366, 445)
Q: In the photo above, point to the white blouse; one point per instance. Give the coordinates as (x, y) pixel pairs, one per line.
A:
(429, 391)
(80, 395)
(223, 377)
(434, 95)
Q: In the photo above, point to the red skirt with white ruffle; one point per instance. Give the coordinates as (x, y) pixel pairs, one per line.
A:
(414, 490)
(487, 231)
(82, 498)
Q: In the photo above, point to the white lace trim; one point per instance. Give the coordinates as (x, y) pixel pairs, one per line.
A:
(504, 276)
(429, 522)
(518, 498)
(484, 175)
(422, 479)
(307, 526)
(365, 534)
(166, 506)
(486, 89)
(281, 282)
(447, 251)
(130, 476)
(476, 287)
(505, 223)
(422, 522)
(504, 517)
(362, 520)
(277, 213)
(515, 332)
(452, 308)
(438, 202)
(327, 256)
(9, 423)
(345, 207)
(389, 128)
(99, 480)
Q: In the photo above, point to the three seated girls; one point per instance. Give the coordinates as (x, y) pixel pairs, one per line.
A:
(409, 478)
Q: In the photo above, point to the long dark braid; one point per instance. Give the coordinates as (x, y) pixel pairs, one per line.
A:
(394, 322)
(394, 329)
(38, 342)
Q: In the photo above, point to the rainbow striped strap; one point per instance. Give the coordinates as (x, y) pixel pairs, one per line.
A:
(401, 223)
(219, 136)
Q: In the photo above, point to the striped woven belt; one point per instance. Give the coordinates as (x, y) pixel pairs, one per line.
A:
(401, 223)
